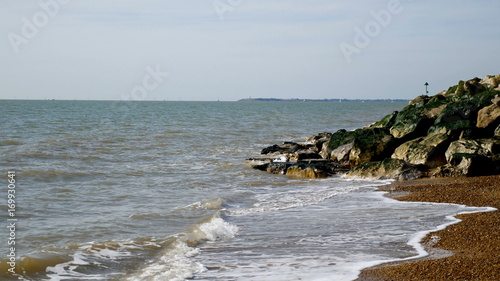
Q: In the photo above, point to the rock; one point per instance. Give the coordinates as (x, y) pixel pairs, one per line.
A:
(454, 133)
(420, 101)
(489, 117)
(496, 133)
(339, 138)
(434, 112)
(461, 116)
(371, 147)
(496, 100)
(319, 139)
(286, 147)
(453, 129)
(312, 169)
(484, 147)
(369, 144)
(386, 122)
(473, 164)
(341, 154)
(457, 111)
(267, 159)
(410, 123)
(308, 173)
(305, 155)
(386, 169)
(301, 169)
(491, 146)
(474, 87)
(491, 81)
(428, 151)
(471, 88)
(336, 139)
(437, 99)
(262, 167)
(467, 135)
(466, 165)
(446, 171)
(468, 88)
(273, 167)
(325, 151)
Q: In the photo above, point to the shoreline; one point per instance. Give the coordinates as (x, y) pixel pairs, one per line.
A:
(462, 251)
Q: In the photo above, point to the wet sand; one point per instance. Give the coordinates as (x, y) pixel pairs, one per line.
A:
(469, 250)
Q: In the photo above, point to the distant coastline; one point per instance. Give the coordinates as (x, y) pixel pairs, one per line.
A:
(321, 100)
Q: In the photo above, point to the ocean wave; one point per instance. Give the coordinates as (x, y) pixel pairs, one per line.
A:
(33, 265)
(176, 263)
(96, 260)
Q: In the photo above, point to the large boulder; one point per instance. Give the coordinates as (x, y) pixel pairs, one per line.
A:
(434, 112)
(474, 86)
(491, 81)
(467, 88)
(489, 117)
(319, 139)
(484, 147)
(305, 154)
(371, 145)
(466, 165)
(428, 151)
(312, 169)
(453, 129)
(420, 101)
(410, 123)
(362, 145)
(301, 169)
(286, 147)
(307, 173)
(274, 167)
(386, 169)
(337, 139)
(385, 122)
(342, 154)
(462, 110)
(461, 115)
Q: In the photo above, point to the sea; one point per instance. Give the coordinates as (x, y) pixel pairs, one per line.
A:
(163, 190)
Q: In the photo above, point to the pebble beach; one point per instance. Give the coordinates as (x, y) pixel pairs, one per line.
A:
(468, 250)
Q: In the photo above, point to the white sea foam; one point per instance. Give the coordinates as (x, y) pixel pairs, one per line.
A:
(93, 254)
(332, 240)
(416, 239)
(214, 204)
(304, 196)
(176, 263)
(67, 270)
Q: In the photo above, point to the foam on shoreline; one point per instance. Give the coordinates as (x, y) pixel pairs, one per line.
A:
(468, 258)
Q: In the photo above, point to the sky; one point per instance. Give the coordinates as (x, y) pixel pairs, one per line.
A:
(234, 49)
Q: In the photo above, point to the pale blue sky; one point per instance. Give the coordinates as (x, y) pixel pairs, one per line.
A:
(233, 49)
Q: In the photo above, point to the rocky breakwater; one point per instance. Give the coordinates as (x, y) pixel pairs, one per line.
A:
(453, 133)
